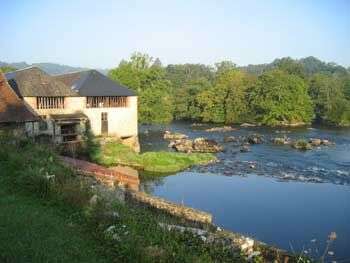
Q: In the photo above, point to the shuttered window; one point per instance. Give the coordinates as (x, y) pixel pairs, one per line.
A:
(106, 102)
(50, 102)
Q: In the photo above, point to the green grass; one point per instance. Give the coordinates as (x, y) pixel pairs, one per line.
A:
(33, 231)
(114, 153)
(45, 216)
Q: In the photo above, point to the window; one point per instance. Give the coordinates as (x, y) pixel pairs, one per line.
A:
(106, 102)
(104, 116)
(50, 102)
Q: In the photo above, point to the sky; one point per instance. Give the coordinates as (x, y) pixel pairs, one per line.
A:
(99, 34)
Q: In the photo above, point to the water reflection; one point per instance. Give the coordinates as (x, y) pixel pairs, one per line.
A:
(275, 212)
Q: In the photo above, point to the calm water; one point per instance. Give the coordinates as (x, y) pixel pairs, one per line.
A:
(288, 199)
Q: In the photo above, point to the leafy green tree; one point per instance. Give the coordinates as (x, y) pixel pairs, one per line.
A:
(290, 66)
(224, 66)
(186, 100)
(279, 98)
(331, 105)
(180, 75)
(226, 100)
(153, 89)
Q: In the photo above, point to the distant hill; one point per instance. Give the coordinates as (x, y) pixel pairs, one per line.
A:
(310, 64)
(50, 68)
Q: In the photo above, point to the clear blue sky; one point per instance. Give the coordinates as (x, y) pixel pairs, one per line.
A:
(101, 33)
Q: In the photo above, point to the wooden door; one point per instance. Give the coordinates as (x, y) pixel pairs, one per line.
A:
(104, 123)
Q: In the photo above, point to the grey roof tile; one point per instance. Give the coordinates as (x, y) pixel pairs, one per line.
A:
(93, 83)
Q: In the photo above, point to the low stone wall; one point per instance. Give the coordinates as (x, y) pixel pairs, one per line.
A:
(116, 176)
(169, 207)
(128, 178)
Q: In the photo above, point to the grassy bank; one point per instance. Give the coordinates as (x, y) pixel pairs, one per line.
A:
(113, 153)
(47, 215)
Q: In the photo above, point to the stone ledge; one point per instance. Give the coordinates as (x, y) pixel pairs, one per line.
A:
(187, 213)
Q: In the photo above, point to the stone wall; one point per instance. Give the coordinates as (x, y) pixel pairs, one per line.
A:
(181, 211)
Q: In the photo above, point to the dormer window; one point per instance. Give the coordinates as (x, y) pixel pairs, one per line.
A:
(50, 102)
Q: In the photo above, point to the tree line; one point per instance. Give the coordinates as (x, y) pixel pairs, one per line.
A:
(284, 92)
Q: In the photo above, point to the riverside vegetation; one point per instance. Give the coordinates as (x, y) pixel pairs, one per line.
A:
(49, 214)
(112, 153)
(285, 92)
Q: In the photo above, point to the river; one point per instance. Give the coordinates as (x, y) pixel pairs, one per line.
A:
(279, 195)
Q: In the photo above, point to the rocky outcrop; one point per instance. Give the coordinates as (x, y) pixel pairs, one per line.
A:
(245, 125)
(282, 140)
(206, 145)
(254, 139)
(231, 139)
(252, 250)
(183, 145)
(221, 129)
(174, 136)
(132, 142)
(244, 149)
(201, 145)
(301, 145)
(319, 142)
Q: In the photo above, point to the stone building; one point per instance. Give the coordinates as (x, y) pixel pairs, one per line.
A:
(69, 105)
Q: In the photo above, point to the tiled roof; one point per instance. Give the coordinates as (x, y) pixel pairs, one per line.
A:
(93, 83)
(12, 108)
(33, 82)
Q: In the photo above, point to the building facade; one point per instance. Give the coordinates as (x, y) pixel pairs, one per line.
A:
(69, 105)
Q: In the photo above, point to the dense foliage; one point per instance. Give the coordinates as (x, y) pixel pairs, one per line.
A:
(279, 98)
(284, 92)
(148, 80)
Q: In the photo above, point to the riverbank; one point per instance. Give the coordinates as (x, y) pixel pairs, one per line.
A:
(112, 153)
(83, 225)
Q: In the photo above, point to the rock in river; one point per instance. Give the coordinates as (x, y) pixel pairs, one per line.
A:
(230, 139)
(245, 148)
(221, 129)
(206, 145)
(198, 145)
(174, 136)
(248, 125)
(315, 142)
(254, 139)
(282, 140)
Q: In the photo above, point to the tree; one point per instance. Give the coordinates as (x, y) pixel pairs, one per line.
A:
(279, 98)
(331, 105)
(187, 105)
(224, 66)
(226, 100)
(290, 66)
(153, 89)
